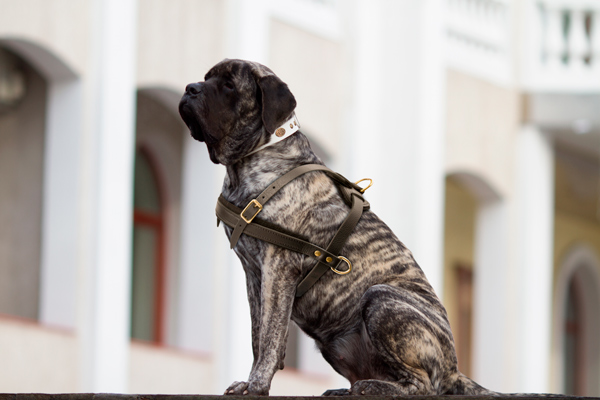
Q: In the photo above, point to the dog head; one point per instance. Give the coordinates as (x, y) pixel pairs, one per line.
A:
(236, 109)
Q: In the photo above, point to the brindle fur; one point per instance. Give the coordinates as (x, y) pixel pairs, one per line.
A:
(381, 326)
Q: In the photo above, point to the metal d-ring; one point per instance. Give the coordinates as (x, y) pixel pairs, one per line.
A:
(368, 186)
(344, 259)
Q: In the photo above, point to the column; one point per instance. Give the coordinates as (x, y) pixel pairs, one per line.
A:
(197, 261)
(430, 179)
(396, 123)
(104, 296)
(247, 37)
(490, 295)
(248, 30)
(60, 225)
(533, 233)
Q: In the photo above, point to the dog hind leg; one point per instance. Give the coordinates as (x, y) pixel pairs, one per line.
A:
(411, 339)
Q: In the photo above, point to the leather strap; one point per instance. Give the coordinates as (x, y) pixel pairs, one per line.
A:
(255, 206)
(335, 246)
(243, 221)
(228, 213)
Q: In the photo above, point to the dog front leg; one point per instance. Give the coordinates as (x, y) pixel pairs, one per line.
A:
(253, 285)
(278, 285)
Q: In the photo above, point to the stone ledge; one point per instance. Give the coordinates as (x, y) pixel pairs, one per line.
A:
(108, 396)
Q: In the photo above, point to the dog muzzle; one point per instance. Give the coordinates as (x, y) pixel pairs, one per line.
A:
(287, 129)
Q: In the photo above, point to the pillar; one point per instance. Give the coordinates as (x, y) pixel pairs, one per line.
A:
(490, 295)
(60, 225)
(104, 310)
(197, 261)
(247, 37)
(396, 121)
(533, 233)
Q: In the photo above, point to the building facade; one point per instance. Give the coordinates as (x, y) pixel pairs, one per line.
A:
(478, 120)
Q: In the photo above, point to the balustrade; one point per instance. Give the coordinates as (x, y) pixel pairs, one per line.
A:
(564, 46)
(557, 42)
(478, 34)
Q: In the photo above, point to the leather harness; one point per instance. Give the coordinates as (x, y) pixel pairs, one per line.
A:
(245, 221)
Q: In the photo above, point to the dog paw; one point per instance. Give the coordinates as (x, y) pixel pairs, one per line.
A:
(237, 388)
(245, 388)
(337, 392)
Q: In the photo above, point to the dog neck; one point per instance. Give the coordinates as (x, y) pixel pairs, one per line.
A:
(252, 174)
(285, 130)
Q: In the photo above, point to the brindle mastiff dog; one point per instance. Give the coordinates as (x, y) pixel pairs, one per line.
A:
(380, 326)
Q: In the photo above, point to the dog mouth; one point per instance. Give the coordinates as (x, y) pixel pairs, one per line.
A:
(189, 114)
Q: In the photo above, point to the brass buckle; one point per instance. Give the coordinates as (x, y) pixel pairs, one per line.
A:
(368, 186)
(256, 204)
(337, 271)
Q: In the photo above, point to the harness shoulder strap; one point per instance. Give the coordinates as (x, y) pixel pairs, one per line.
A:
(229, 214)
(241, 222)
(255, 206)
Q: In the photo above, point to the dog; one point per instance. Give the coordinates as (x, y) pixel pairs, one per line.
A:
(381, 326)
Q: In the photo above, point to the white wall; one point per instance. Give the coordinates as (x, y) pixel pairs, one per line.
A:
(185, 38)
(36, 359)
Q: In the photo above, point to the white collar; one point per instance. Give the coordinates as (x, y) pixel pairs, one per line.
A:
(287, 129)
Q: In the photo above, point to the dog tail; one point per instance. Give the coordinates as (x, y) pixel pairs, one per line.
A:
(463, 385)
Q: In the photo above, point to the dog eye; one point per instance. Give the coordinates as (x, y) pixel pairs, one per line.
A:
(228, 85)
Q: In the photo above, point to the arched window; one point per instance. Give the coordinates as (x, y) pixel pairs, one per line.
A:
(573, 342)
(22, 118)
(459, 236)
(464, 316)
(148, 268)
(577, 323)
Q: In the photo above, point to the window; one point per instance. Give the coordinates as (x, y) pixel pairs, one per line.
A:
(22, 141)
(573, 343)
(464, 301)
(147, 294)
(577, 323)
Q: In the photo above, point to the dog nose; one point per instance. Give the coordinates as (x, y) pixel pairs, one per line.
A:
(193, 88)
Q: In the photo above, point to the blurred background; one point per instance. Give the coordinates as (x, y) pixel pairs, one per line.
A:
(478, 120)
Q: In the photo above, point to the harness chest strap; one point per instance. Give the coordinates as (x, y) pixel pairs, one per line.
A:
(255, 206)
(241, 221)
(335, 246)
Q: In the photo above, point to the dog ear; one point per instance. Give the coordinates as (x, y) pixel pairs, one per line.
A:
(278, 102)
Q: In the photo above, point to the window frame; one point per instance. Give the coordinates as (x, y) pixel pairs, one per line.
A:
(158, 222)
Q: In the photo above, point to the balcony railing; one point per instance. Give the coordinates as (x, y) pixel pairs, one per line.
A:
(553, 45)
(478, 38)
(319, 17)
(563, 49)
